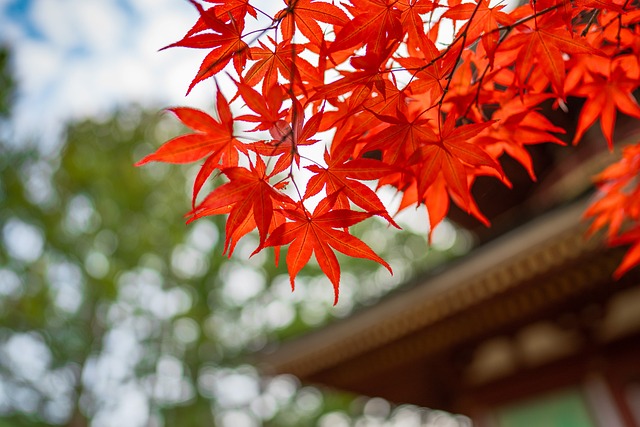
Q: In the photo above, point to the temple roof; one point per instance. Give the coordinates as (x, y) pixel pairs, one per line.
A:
(537, 271)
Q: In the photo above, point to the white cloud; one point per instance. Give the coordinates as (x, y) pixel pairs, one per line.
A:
(37, 66)
(101, 25)
(79, 58)
(52, 21)
(68, 24)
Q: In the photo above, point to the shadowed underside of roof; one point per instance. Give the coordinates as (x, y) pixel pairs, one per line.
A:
(539, 270)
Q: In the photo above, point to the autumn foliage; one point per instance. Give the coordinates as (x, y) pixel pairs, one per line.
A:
(394, 96)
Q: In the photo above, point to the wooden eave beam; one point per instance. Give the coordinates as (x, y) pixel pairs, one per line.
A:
(483, 275)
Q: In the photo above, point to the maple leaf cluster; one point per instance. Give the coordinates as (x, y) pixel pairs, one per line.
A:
(394, 99)
(619, 203)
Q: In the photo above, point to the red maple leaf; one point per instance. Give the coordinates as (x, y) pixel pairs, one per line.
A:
(287, 138)
(517, 125)
(319, 234)
(268, 107)
(224, 40)
(486, 22)
(412, 21)
(606, 94)
(617, 204)
(401, 138)
(305, 15)
(247, 194)
(212, 139)
(632, 256)
(376, 23)
(285, 59)
(342, 177)
(360, 82)
(449, 153)
(429, 68)
(236, 10)
(545, 44)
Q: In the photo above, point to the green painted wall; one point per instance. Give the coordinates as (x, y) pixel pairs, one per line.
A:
(567, 408)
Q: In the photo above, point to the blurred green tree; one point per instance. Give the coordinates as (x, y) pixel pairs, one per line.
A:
(7, 85)
(112, 313)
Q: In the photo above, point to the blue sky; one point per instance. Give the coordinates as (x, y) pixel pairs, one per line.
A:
(81, 58)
